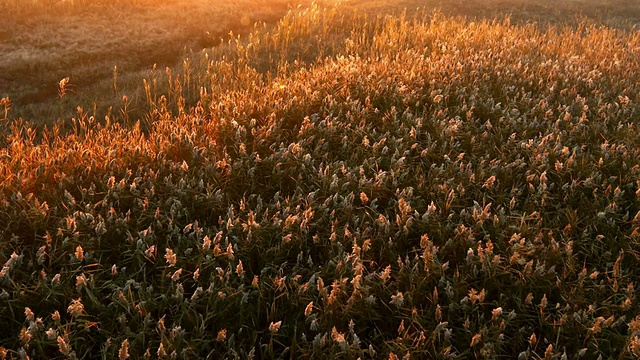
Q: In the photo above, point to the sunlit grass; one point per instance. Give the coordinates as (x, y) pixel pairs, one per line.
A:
(340, 186)
(43, 42)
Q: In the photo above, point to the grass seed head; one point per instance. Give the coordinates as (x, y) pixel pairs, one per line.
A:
(29, 314)
(76, 308)
(274, 327)
(123, 353)
(63, 346)
(79, 253)
(170, 257)
(308, 309)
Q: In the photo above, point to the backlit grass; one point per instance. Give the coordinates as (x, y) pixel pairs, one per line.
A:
(340, 186)
(106, 47)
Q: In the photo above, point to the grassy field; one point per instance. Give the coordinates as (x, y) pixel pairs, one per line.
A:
(353, 182)
(107, 47)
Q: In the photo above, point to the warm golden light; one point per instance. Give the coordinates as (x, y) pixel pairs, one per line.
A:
(365, 179)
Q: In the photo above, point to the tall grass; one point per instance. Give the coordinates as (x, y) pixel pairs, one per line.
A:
(43, 42)
(402, 187)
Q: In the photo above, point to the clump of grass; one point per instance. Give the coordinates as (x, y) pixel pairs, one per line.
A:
(416, 187)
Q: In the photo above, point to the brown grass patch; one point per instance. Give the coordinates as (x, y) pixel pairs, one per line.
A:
(43, 42)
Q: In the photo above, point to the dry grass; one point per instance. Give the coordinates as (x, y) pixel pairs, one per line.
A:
(623, 14)
(43, 42)
(340, 186)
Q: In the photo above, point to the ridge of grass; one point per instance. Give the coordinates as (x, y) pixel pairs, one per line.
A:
(340, 186)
